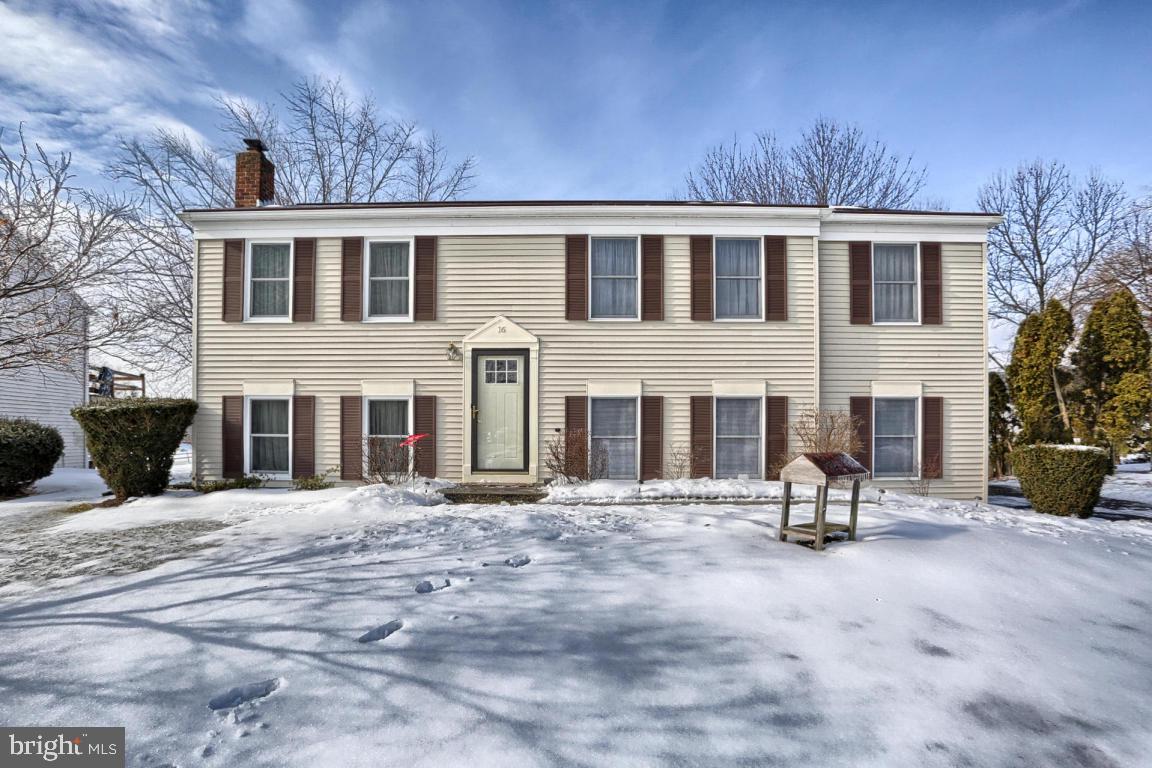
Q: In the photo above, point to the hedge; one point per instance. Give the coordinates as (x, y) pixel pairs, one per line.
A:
(132, 441)
(1061, 479)
(28, 452)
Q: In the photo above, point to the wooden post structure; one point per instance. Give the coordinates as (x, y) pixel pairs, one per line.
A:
(785, 508)
(821, 470)
(855, 509)
(821, 517)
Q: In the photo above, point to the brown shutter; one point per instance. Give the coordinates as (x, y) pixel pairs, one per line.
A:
(775, 434)
(775, 278)
(860, 279)
(304, 281)
(424, 422)
(303, 436)
(576, 277)
(351, 277)
(931, 285)
(651, 437)
(351, 437)
(233, 431)
(652, 277)
(233, 281)
(576, 435)
(700, 255)
(425, 288)
(860, 409)
(932, 443)
(700, 407)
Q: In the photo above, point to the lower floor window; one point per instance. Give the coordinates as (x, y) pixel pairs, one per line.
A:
(387, 422)
(737, 437)
(269, 436)
(612, 438)
(894, 446)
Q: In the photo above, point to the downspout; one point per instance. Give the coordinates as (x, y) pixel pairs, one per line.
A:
(816, 323)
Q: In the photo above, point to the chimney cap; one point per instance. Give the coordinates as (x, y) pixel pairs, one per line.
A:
(255, 144)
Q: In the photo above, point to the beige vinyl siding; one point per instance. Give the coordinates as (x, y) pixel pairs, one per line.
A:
(949, 359)
(48, 397)
(479, 277)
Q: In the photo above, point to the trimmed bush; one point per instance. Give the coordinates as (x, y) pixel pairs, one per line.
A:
(132, 441)
(1061, 479)
(28, 452)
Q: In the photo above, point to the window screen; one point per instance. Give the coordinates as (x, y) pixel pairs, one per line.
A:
(895, 440)
(613, 438)
(894, 283)
(388, 279)
(270, 279)
(737, 437)
(268, 430)
(614, 276)
(737, 279)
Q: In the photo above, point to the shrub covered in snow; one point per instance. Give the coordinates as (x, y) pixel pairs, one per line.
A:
(132, 441)
(28, 452)
(1061, 479)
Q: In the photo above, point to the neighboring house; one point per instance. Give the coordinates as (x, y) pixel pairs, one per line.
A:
(651, 325)
(48, 396)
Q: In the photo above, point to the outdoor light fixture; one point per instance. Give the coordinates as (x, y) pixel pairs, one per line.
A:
(454, 354)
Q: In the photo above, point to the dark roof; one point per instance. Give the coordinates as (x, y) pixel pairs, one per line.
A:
(570, 204)
(834, 464)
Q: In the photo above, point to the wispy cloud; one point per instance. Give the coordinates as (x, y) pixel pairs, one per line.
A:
(79, 76)
(1027, 21)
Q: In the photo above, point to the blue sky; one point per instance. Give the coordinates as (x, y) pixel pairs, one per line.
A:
(614, 99)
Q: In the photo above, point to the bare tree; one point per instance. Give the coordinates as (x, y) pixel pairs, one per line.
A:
(59, 250)
(328, 147)
(832, 164)
(1130, 264)
(818, 430)
(1055, 231)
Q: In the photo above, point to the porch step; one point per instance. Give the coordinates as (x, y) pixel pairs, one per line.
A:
(492, 493)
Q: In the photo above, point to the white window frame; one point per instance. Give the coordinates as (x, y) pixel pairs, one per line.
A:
(760, 302)
(367, 280)
(248, 400)
(248, 282)
(915, 288)
(588, 431)
(365, 421)
(639, 296)
(716, 432)
(917, 451)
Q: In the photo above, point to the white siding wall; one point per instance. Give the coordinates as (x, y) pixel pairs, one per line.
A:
(478, 278)
(949, 359)
(47, 397)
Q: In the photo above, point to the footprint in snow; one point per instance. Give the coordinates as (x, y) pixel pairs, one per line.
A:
(425, 587)
(380, 632)
(242, 694)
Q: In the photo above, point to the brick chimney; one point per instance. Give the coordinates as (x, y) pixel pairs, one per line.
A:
(255, 176)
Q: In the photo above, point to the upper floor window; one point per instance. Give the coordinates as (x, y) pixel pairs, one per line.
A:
(270, 280)
(894, 277)
(738, 279)
(389, 283)
(738, 437)
(895, 439)
(612, 423)
(614, 275)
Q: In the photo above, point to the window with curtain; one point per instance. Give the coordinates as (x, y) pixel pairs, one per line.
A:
(737, 279)
(738, 437)
(388, 279)
(268, 433)
(614, 275)
(270, 276)
(894, 283)
(612, 437)
(387, 422)
(894, 443)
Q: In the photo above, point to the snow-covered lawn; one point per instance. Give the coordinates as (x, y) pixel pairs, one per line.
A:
(952, 634)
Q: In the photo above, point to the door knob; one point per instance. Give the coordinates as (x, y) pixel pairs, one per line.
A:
(475, 412)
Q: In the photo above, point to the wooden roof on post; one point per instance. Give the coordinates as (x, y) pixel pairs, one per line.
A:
(823, 469)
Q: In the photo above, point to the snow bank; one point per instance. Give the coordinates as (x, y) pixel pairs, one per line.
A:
(63, 486)
(626, 491)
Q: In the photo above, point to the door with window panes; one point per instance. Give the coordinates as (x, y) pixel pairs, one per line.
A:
(499, 411)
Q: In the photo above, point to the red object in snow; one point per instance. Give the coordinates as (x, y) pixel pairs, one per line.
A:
(411, 440)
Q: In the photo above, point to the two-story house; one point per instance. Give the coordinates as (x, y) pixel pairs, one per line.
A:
(648, 328)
